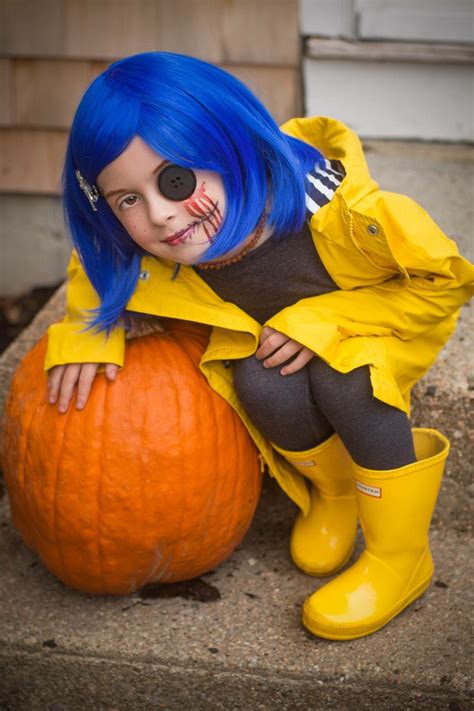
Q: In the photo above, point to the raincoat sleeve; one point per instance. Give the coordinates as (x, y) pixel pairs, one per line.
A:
(430, 281)
(68, 342)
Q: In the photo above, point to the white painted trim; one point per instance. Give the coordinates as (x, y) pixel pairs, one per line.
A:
(318, 48)
(409, 20)
(393, 99)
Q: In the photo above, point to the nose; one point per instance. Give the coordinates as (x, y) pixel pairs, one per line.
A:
(161, 211)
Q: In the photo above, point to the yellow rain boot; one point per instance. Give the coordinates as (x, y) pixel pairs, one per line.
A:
(395, 509)
(322, 541)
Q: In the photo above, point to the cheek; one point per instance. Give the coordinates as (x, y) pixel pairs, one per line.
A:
(135, 226)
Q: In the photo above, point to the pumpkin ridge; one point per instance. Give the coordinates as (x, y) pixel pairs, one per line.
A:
(143, 475)
(240, 486)
(168, 357)
(236, 487)
(206, 398)
(225, 446)
(188, 362)
(100, 544)
(218, 481)
(55, 508)
(230, 521)
(163, 560)
(216, 489)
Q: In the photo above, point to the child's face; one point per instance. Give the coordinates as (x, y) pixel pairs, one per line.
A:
(171, 212)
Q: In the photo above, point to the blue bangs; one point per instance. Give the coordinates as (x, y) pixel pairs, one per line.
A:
(197, 116)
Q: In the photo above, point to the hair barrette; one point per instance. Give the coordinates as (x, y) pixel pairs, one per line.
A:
(92, 192)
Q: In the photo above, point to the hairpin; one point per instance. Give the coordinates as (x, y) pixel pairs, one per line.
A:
(91, 192)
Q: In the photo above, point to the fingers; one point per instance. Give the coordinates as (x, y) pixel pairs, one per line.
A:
(270, 342)
(86, 378)
(111, 371)
(303, 357)
(266, 331)
(55, 376)
(276, 348)
(280, 356)
(68, 380)
(62, 379)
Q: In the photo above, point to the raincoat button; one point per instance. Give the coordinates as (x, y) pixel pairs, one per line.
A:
(144, 275)
(226, 363)
(373, 229)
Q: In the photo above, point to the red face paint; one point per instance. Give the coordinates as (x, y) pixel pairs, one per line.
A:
(203, 207)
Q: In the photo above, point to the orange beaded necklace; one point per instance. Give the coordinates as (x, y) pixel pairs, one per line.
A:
(241, 255)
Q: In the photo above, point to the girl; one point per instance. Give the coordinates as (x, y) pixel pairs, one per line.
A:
(328, 299)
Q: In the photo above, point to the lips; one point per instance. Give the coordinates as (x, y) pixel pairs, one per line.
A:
(179, 237)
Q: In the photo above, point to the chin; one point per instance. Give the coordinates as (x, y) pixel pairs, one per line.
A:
(186, 261)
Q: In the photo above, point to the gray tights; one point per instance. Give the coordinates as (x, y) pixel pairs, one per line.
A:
(299, 411)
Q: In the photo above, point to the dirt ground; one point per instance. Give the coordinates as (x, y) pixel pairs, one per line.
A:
(16, 313)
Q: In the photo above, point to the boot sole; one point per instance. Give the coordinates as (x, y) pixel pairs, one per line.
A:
(414, 595)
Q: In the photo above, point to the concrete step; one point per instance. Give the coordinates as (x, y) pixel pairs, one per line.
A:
(61, 650)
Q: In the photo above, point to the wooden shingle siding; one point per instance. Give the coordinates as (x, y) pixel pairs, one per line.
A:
(53, 49)
(221, 31)
(31, 160)
(34, 130)
(6, 104)
(278, 87)
(44, 93)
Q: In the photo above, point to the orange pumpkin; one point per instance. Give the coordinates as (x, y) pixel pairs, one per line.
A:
(157, 479)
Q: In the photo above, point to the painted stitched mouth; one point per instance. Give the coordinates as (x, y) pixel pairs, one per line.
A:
(192, 227)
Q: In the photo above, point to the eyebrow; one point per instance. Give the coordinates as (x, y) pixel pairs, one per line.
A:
(122, 190)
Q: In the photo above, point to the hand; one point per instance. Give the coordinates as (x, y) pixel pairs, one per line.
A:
(62, 380)
(275, 348)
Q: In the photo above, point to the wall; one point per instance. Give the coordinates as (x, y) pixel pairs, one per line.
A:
(52, 49)
(396, 69)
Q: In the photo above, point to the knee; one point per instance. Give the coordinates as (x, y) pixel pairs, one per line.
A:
(328, 384)
(253, 383)
(265, 391)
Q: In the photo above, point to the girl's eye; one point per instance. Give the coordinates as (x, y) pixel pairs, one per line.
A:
(129, 201)
(176, 183)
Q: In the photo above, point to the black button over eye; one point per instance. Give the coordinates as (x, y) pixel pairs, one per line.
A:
(176, 183)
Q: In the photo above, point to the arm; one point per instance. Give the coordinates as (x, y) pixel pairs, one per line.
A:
(73, 355)
(68, 342)
(430, 280)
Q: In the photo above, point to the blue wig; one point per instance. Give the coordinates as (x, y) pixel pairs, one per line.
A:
(196, 116)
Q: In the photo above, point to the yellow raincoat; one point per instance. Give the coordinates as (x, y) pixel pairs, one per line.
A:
(401, 283)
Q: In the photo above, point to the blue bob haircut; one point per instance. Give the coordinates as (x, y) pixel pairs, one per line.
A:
(196, 116)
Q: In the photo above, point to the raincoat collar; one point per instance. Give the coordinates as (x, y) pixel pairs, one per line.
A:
(336, 141)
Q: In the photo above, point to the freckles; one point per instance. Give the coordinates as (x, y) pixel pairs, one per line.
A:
(135, 229)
